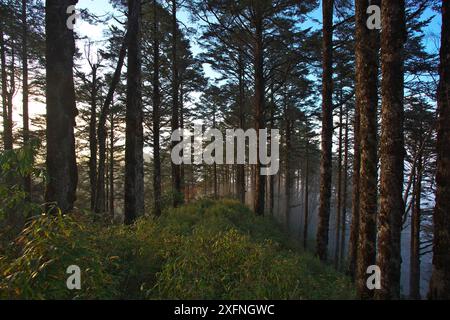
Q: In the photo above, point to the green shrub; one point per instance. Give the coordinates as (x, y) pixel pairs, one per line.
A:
(206, 250)
(48, 246)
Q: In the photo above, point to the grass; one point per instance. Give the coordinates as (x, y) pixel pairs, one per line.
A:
(205, 250)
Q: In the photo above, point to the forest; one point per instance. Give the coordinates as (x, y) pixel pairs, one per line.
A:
(225, 149)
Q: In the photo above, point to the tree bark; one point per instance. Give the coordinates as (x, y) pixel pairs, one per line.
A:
(344, 192)
(134, 144)
(327, 131)
(241, 98)
(93, 137)
(25, 90)
(61, 108)
(7, 140)
(289, 173)
(354, 227)
(260, 181)
(306, 205)
(339, 192)
(367, 62)
(175, 122)
(414, 276)
(440, 279)
(111, 169)
(392, 148)
(156, 115)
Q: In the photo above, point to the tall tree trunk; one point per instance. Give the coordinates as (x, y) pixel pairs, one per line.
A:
(134, 145)
(414, 276)
(327, 131)
(289, 173)
(344, 192)
(215, 176)
(260, 181)
(182, 166)
(156, 114)
(354, 227)
(440, 279)
(7, 140)
(176, 169)
(25, 89)
(392, 148)
(306, 205)
(61, 108)
(111, 168)
(367, 62)
(10, 96)
(339, 192)
(241, 167)
(93, 137)
(271, 182)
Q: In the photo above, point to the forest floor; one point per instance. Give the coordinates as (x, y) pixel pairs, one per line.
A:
(205, 250)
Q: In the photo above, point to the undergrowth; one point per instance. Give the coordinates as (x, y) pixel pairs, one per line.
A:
(205, 250)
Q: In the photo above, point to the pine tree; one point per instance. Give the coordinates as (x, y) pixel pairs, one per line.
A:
(134, 158)
(367, 49)
(327, 131)
(440, 279)
(61, 108)
(392, 148)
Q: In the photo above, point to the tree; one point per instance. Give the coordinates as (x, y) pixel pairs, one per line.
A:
(156, 114)
(61, 108)
(327, 131)
(7, 93)
(134, 157)
(367, 49)
(175, 122)
(25, 87)
(392, 148)
(102, 130)
(440, 279)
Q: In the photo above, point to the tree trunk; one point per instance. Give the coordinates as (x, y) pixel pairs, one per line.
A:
(111, 169)
(93, 137)
(306, 208)
(289, 173)
(344, 192)
(134, 157)
(156, 115)
(215, 176)
(7, 140)
(354, 227)
(339, 192)
(241, 167)
(25, 90)
(392, 151)
(367, 61)
(260, 181)
(440, 279)
(327, 131)
(176, 169)
(414, 276)
(11, 93)
(61, 108)
(271, 182)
